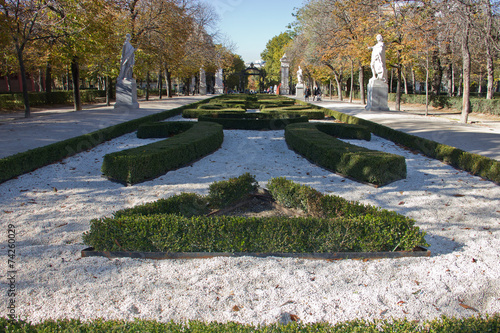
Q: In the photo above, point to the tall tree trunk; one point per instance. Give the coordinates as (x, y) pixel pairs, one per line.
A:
(160, 84)
(75, 74)
(48, 78)
(351, 92)
(362, 84)
(449, 77)
(398, 84)
(109, 90)
(489, 53)
(148, 80)
(338, 79)
(413, 81)
(22, 69)
(40, 81)
(438, 73)
(168, 82)
(466, 75)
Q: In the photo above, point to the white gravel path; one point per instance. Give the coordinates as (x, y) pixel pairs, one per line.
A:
(52, 206)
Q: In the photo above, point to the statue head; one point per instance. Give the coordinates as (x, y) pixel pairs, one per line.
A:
(380, 38)
(127, 37)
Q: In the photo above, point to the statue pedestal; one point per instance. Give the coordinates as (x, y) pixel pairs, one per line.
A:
(299, 90)
(377, 95)
(126, 94)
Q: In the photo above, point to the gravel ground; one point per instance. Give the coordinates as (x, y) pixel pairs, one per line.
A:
(51, 207)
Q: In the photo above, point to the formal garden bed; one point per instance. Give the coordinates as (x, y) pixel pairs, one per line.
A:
(187, 223)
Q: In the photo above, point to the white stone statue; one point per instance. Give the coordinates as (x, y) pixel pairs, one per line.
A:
(378, 60)
(127, 60)
(299, 76)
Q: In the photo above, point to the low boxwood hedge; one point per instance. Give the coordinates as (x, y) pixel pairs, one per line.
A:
(487, 323)
(476, 164)
(196, 113)
(254, 121)
(374, 167)
(146, 162)
(309, 113)
(278, 234)
(159, 227)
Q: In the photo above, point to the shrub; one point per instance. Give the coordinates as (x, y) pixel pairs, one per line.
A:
(226, 192)
(476, 164)
(487, 323)
(186, 204)
(359, 163)
(146, 162)
(309, 113)
(159, 226)
(253, 121)
(196, 113)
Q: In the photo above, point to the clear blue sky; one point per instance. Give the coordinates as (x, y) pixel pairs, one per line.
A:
(250, 24)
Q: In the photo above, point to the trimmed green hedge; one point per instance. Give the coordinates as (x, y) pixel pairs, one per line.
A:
(21, 163)
(15, 101)
(158, 227)
(383, 225)
(278, 234)
(309, 113)
(253, 121)
(479, 105)
(196, 113)
(478, 165)
(440, 325)
(135, 165)
(359, 163)
(226, 192)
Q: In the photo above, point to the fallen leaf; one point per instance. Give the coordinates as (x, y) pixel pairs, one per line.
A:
(7, 211)
(465, 306)
(236, 308)
(474, 260)
(401, 203)
(294, 317)
(458, 195)
(401, 303)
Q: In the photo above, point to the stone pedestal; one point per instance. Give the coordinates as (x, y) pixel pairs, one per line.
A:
(219, 85)
(285, 73)
(299, 90)
(203, 82)
(377, 95)
(126, 94)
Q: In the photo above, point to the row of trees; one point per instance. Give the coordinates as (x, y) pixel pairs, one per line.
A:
(173, 38)
(437, 41)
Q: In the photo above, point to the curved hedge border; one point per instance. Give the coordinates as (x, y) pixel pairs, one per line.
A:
(476, 164)
(309, 113)
(150, 161)
(359, 163)
(254, 122)
(21, 163)
(196, 113)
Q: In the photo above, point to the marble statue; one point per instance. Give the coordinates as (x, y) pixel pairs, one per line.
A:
(299, 76)
(378, 91)
(127, 60)
(377, 63)
(126, 87)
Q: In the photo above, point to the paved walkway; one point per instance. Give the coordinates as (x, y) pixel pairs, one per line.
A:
(481, 136)
(18, 134)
